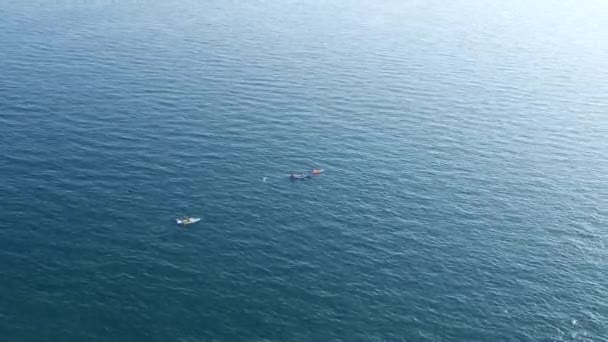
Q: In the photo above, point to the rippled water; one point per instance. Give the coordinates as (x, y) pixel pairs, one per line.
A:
(465, 145)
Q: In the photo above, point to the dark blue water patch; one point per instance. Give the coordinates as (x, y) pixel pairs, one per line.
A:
(464, 195)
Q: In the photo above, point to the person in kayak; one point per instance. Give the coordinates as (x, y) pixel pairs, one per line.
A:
(298, 176)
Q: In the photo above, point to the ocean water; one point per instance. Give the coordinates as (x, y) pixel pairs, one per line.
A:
(465, 145)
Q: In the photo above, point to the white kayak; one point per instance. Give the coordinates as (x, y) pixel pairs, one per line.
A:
(187, 220)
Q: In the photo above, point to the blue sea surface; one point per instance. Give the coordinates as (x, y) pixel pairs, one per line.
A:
(465, 145)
